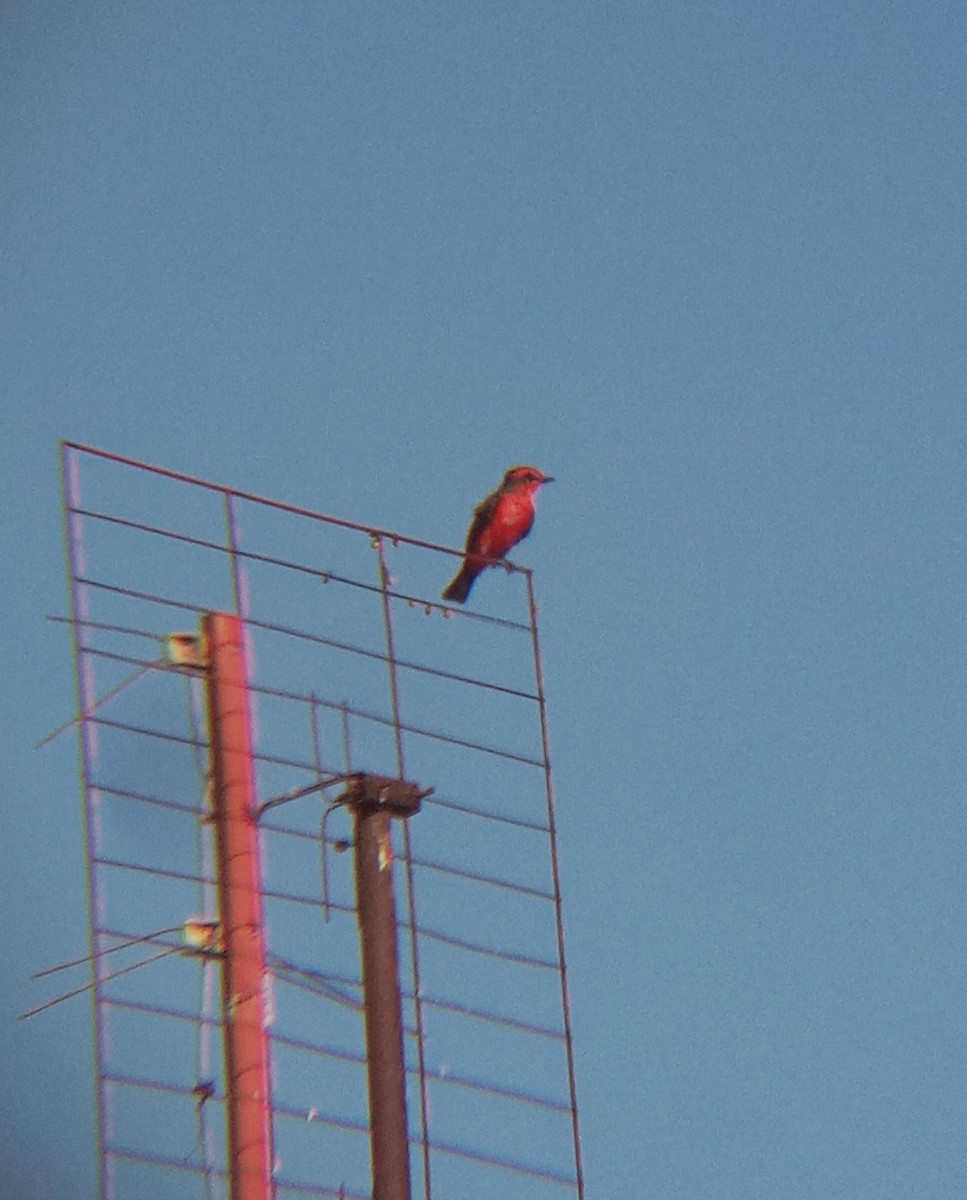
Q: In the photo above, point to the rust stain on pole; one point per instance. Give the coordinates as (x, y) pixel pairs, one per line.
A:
(244, 979)
(376, 908)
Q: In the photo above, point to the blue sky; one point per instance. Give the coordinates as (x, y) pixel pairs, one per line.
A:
(705, 264)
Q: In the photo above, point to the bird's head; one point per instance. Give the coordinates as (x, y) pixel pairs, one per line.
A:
(524, 477)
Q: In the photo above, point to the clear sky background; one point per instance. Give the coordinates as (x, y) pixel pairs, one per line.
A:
(705, 264)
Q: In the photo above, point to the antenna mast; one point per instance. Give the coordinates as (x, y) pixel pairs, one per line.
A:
(244, 973)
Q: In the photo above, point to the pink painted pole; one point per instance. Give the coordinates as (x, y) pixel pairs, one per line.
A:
(247, 1055)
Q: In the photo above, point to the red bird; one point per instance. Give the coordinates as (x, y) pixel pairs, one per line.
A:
(499, 523)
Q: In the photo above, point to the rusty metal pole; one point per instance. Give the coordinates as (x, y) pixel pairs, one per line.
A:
(374, 800)
(244, 976)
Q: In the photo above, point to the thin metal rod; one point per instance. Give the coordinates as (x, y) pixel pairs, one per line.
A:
(231, 532)
(326, 576)
(558, 908)
(85, 700)
(103, 626)
(101, 700)
(247, 1062)
(386, 1071)
(279, 505)
(317, 764)
(374, 718)
(316, 740)
(86, 958)
(426, 864)
(347, 741)
(450, 1079)
(505, 1164)
(179, 1164)
(469, 811)
(492, 1018)
(104, 979)
(410, 882)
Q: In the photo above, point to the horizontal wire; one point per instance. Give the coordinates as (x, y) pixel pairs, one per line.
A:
(174, 1014)
(162, 872)
(174, 1089)
(484, 814)
(288, 564)
(362, 1127)
(349, 1124)
(362, 714)
(157, 1010)
(303, 568)
(346, 1056)
(312, 836)
(178, 806)
(504, 1164)
(102, 626)
(199, 610)
(492, 1018)
(478, 877)
(266, 502)
(297, 978)
(434, 935)
(142, 731)
(348, 910)
(127, 1154)
(375, 718)
(332, 1121)
(456, 943)
(315, 989)
(450, 740)
(423, 863)
(348, 981)
(309, 1189)
(133, 594)
(407, 664)
(449, 1079)
(305, 835)
(327, 1051)
(503, 1093)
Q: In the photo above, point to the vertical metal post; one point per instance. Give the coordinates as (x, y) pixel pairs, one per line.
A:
(384, 587)
(247, 1066)
(376, 909)
(556, 875)
(86, 702)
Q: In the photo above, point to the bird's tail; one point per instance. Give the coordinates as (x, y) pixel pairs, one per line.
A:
(459, 588)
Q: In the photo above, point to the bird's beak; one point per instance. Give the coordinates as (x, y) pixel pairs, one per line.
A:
(548, 479)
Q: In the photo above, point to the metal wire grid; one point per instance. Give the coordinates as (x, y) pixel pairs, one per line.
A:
(353, 669)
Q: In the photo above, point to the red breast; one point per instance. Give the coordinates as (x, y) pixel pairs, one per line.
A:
(513, 517)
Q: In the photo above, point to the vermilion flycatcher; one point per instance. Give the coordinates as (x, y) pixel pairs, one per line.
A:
(499, 523)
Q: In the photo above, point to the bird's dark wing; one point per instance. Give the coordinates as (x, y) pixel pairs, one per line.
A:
(483, 514)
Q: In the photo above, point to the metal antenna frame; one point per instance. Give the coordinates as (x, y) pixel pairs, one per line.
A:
(118, 613)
